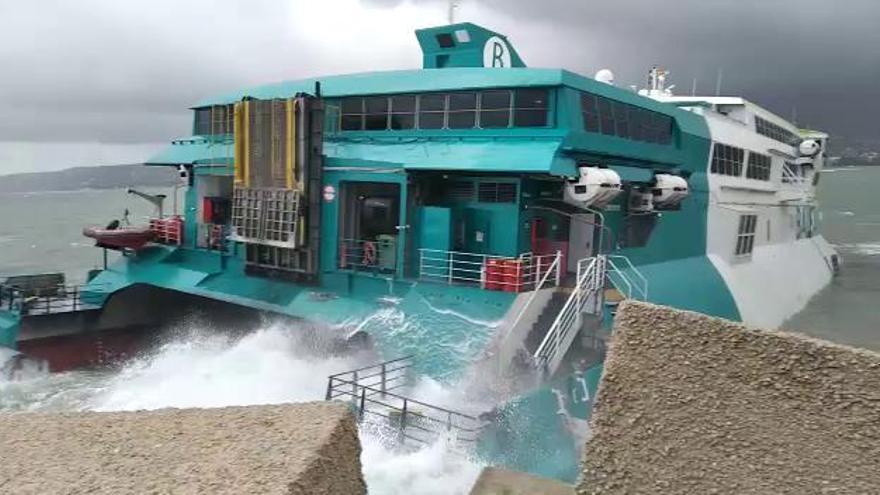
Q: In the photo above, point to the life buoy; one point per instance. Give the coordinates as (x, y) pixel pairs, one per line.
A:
(369, 253)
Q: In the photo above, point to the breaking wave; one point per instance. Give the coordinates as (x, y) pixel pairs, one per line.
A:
(269, 366)
(864, 248)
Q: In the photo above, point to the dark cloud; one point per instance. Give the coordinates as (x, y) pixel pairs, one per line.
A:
(125, 72)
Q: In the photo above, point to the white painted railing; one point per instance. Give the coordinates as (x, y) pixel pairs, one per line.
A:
(512, 274)
(586, 297)
(795, 182)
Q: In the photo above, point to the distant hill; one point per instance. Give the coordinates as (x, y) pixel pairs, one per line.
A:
(106, 177)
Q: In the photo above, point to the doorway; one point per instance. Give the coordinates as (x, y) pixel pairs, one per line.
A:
(369, 217)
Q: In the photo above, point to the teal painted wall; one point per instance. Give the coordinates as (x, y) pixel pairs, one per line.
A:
(9, 325)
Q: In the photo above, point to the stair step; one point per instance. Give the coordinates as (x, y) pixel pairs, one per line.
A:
(613, 295)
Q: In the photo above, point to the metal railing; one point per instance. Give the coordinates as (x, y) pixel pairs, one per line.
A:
(168, 230)
(587, 296)
(795, 182)
(213, 236)
(369, 390)
(632, 289)
(511, 274)
(378, 255)
(49, 299)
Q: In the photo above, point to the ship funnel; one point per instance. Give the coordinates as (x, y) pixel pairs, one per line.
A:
(466, 45)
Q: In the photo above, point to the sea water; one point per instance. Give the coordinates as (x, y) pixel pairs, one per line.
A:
(41, 232)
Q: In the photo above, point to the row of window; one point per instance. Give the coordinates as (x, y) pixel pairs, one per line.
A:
(615, 118)
(494, 109)
(728, 160)
(745, 236)
(766, 128)
(214, 120)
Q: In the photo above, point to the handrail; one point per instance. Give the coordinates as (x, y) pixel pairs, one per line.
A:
(636, 271)
(493, 272)
(376, 398)
(554, 268)
(52, 299)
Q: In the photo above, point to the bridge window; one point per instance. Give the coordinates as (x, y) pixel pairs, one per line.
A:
(214, 120)
(432, 111)
(495, 109)
(403, 112)
(352, 114)
(530, 108)
(745, 238)
(759, 166)
(376, 113)
(616, 118)
(776, 132)
(491, 109)
(462, 111)
(590, 111)
(727, 160)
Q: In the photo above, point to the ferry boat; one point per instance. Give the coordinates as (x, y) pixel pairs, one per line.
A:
(474, 221)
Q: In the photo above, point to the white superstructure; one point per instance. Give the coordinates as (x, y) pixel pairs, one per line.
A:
(762, 212)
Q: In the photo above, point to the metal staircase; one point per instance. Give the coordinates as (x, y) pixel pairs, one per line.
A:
(586, 300)
(406, 420)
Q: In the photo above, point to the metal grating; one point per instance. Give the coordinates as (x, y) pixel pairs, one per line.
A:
(496, 192)
(282, 212)
(266, 216)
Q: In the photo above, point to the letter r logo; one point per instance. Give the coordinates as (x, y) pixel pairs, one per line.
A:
(496, 53)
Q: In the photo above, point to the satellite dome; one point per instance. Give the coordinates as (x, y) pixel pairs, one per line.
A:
(809, 147)
(605, 76)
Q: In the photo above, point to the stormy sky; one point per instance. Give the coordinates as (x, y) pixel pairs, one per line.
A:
(106, 81)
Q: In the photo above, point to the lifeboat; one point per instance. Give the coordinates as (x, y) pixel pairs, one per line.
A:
(120, 238)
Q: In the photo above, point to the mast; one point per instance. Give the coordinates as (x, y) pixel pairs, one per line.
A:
(453, 5)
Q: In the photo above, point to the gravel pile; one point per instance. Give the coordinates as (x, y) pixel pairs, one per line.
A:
(290, 449)
(696, 405)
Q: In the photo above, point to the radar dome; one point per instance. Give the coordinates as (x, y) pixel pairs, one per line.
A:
(809, 147)
(605, 76)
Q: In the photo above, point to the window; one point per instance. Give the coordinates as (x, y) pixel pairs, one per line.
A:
(432, 109)
(606, 118)
(727, 160)
(530, 107)
(745, 237)
(462, 111)
(403, 112)
(759, 166)
(376, 113)
(214, 120)
(495, 109)
(776, 132)
(352, 114)
(590, 111)
(615, 118)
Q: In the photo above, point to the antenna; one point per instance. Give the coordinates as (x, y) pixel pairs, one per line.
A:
(453, 6)
(718, 82)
